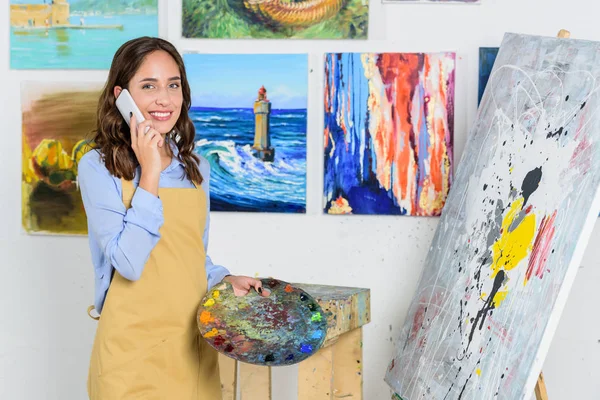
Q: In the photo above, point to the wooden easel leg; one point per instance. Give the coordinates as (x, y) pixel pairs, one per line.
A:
(540, 389)
(255, 382)
(228, 372)
(315, 376)
(348, 366)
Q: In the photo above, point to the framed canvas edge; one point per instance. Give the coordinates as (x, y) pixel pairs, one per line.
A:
(562, 297)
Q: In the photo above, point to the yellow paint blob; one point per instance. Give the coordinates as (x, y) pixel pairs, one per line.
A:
(512, 247)
(209, 303)
(216, 294)
(213, 332)
(499, 297)
(478, 371)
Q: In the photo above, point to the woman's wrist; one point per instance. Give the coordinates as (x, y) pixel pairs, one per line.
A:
(149, 182)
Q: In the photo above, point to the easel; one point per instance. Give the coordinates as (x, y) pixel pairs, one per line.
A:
(540, 386)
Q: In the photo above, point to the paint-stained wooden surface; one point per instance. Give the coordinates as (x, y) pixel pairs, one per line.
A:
(255, 382)
(228, 371)
(348, 366)
(347, 308)
(315, 376)
(335, 371)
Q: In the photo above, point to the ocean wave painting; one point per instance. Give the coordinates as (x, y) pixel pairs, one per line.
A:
(388, 136)
(230, 120)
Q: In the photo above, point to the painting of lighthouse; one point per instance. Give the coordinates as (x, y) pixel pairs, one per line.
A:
(76, 34)
(249, 111)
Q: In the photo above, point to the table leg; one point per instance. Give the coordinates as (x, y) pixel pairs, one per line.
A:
(255, 382)
(228, 371)
(348, 366)
(315, 376)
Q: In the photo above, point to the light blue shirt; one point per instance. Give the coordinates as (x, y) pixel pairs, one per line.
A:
(121, 239)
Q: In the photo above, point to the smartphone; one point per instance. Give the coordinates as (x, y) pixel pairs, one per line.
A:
(127, 106)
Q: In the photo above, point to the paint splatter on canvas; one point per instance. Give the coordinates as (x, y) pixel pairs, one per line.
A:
(388, 137)
(487, 56)
(284, 328)
(76, 34)
(249, 111)
(57, 117)
(513, 231)
(276, 19)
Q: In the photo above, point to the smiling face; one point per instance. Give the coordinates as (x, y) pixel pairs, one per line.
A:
(156, 89)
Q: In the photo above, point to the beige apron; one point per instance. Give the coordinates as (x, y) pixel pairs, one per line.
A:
(147, 343)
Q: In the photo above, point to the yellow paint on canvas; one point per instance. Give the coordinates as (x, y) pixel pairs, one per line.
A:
(499, 297)
(513, 246)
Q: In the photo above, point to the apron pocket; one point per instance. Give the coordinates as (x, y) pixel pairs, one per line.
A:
(105, 367)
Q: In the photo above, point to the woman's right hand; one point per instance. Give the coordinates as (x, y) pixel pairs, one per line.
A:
(145, 144)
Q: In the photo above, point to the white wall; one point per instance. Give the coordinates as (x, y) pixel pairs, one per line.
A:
(46, 283)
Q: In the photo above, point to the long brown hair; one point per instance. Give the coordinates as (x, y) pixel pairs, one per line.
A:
(112, 136)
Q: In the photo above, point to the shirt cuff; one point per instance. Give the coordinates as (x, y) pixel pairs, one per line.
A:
(146, 211)
(216, 273)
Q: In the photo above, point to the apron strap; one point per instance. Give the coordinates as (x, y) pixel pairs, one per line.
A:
(89, 310)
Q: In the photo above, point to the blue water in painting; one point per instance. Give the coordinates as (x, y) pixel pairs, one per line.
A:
(77, 48)
(241, 182)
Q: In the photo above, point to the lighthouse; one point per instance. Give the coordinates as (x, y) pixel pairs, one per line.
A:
(262, 136)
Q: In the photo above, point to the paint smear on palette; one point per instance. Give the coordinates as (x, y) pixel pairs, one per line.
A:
(388, 134)
(284, 328)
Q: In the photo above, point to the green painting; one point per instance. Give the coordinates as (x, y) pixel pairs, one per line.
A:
(275, 19)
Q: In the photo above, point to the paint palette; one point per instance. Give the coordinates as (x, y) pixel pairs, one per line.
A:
(284, 328)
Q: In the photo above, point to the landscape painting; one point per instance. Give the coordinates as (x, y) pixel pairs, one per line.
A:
(388, 134)
(513, 232)
(76, 34)
(275, 19)
(249, 111)
(57, 121)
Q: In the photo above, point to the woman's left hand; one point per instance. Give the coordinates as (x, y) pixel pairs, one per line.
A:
(242, 285)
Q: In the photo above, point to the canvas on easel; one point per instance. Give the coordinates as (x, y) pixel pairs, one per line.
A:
(513, 230)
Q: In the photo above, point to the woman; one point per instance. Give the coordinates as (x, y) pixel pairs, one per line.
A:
(145, 194)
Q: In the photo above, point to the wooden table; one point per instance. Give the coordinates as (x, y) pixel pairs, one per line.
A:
(335, 371)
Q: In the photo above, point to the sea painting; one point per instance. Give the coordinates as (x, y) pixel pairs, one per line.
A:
(513, 231)
(487, 57)
(76, 34)
(249, 111)
(283, 328)
(388, 136)
(275, 19)
(57, 121)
